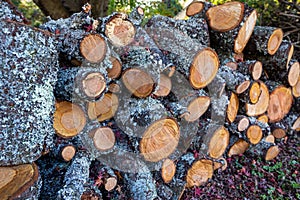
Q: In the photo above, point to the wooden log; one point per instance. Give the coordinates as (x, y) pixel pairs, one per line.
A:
(251, 67)
(235, 81)
(69, 119)
(138, 82)
(81, 83)
(75, 177)
(232, 108)
(103, 109)
(17, 179)
(64, 151)
(103, 138)
(93, 48)
(199, 173)
(136, 16)
(236, 31)
(192, 64)
(119, 30)
(267, 150)
(254, 134)
(160, 139)
(254, 92)
(296, 89)
(28, 75)
(262, 104)
(280, 103)
(296, 125)
(197, 9)
(238, 147)
(265, 40)
(168, 170)
(115, 71)
(164, 86)
(263, 118)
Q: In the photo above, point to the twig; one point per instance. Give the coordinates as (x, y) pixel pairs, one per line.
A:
(289, 15)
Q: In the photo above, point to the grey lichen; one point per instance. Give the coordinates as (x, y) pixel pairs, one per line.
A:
(28, 74)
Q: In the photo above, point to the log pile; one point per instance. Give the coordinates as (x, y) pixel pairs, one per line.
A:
(180, 96)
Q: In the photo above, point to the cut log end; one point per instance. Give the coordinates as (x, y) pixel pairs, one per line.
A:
(263, 118)
(241, 88)
(69, 119)
(290, 55)
(93, 85)
(254, 134)
(245, 32)
(197, 108)
(120, 31)
(280, 103)
(93, 48)
(14, 180)
(160, 139)
(262, 104)
(296, 125)
(194, 8)
(110, 184)
(275, 41)
(243, 124)
(232, 65)
(168, 170)
(199, 173)
(114, 88)
(269, 139)
(294, 74)
(204, 68)
(296, 89)
(218, 143)
(164, 86)
(103, 109)
(116, 69)
(103, 138)
(225, 17)
(68, 152)
(239, 147)
(279, 133)
(256, 70)
(272, 152)
(254, 92)
(138, 82)
(232, 108)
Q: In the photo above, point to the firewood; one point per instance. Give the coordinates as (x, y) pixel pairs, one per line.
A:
(279, 129)
(198, 9)
(69, 119)
(114, 88)
(254, 134)
(75, 177)
(199, 173)
(220, 163)
(216, 140)
(136, 16)
(168, 170)
(296, 89)
(119, 30)
(243, 123)
(17, 179)
(164, 86)
(280, 103)
(235, 81)
(269, 138)
(263, 118)
(251, 67)
(296, 125)
(28, 75)
(239, 21)
(93, 48)
(293, 72)
(232, 108)
(272, 152)
(81, 83)
(254, 92)
(239, 147)
(116, 69)
(261, 106)
(138, 82)
(66, 152)
(103, 138)
(103, 109)
(160, 139)
(265, 40)
(230, 59)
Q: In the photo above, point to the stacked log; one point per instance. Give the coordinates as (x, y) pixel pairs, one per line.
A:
(166, 96)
